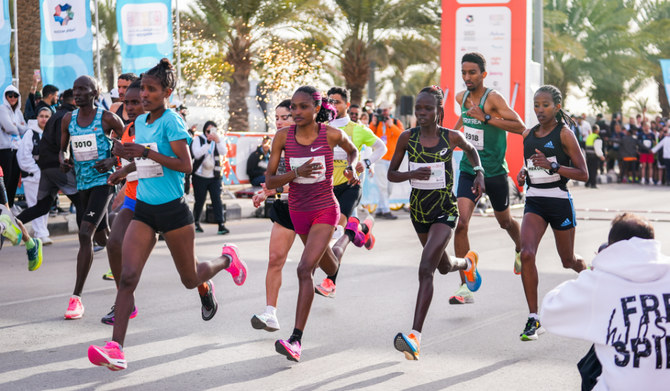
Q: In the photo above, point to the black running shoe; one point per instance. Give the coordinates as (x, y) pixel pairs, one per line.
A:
(209, 304)
(532, 330)
(109, 318)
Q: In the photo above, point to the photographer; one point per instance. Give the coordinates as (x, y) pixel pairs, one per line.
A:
(388, 129)
(257, 162)
(207, 150)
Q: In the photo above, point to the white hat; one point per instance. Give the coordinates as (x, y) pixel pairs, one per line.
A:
(114, 93)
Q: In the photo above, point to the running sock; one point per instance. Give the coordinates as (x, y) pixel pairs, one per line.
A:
(334, 276)
(30, 244)
(363, 228)
(271, 310)
(350, 234)
(417, 335)
(296, 336)
(534, 316)
(203, 289)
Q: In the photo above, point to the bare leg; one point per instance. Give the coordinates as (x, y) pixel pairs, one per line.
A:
(532, 230)
(461, 240)
(84, 256)
(281, 240)
(433, 254)
(115, 241)
(509, 224)
(136, 251)
(565, 244)
(316, 243)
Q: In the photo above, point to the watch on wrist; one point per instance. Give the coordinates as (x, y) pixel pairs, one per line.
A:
(478, 168)
(145, 153)
(487, 118)
(367, 162)
(349, 168)
(554, 167)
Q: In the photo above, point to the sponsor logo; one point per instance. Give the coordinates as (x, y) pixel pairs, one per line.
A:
(315, 149)
(63, 14)
(549, 145)
(566, 223)
(444, 151)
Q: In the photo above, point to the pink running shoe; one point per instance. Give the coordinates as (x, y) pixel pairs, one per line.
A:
(369, 240)
(326, 288)
(289, 349)
(75, 309)
(237, 268)
(353, 226)
(110, 356)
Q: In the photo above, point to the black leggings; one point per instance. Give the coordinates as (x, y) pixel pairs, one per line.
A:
(200, 188)
(43, 206)
(12, 172)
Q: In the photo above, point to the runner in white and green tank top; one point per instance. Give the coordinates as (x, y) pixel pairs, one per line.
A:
(486, 118)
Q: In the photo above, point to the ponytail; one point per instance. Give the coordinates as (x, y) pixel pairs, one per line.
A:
(327, 112)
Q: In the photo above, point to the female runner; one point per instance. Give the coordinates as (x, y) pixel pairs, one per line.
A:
(552, 156)
(433, 208)
(308, 149)
(161, 158)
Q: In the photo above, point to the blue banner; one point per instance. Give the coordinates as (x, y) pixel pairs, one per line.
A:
(67, 41)
(5, 36)
(145, 33)
(665, 66)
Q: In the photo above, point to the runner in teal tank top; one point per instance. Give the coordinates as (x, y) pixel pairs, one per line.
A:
(86, 132)
(486, 118)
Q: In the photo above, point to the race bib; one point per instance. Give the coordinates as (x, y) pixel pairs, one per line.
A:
(647, 143)
(85, 147)
(437, 178)
(296, 162)
(147, 168)
(132, 177)
(475, 137)
(540, 175)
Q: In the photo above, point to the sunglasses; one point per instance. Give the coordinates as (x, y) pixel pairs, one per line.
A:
(12, 95)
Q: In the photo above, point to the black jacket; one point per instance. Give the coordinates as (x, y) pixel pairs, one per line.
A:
(50, 143)
(254, 168)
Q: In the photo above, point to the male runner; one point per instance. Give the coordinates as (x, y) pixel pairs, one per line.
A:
(87, 131)
(348, 195)
(485, 117)
(119, 108)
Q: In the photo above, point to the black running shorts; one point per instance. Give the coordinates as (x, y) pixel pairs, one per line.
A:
(423, 228)
(279, 214)
(558, 212)
(497, 188)
(164, 217)
(95, 201)
(348, 196)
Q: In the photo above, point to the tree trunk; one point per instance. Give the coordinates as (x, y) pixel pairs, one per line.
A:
(356, 69)
(28, 15)
(239, 56)
(662, 95)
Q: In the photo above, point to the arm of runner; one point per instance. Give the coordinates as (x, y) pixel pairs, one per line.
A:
(457, 139)
(459, 123)
(394, 175)
(112, 125)
(118, 175)
(272, 180)
(571, 147)
(65, 164)
(181, 163)
(505, 118)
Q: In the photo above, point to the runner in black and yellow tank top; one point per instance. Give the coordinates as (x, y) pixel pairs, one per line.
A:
(432, 208)
(486, 118)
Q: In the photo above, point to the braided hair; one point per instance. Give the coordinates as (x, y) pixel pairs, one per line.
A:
(436, 91)
(557, 98)
(165, 73)
(327, 112)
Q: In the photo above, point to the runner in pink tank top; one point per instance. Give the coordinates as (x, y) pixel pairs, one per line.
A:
(308, 148)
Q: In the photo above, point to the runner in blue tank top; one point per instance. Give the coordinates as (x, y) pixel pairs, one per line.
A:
(86, 132)
(552, 156)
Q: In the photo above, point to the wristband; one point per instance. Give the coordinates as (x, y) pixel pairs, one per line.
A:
(145, 153)
(478, 168)
(295, 171)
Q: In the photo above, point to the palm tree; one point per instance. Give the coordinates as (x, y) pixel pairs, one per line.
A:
(109, 52)
(28, 14)
(241, 29)
(375, 29)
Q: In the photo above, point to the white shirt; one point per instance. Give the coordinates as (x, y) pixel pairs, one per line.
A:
(665, 144)
(24, 155)
(200, 149)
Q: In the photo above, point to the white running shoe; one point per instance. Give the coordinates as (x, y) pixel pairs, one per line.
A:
(265, 321)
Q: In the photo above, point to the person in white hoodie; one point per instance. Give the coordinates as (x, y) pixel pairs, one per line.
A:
(12, 127)
(27, 156)
(622, 305)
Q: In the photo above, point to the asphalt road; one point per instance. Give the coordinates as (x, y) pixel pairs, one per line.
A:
(348, 340)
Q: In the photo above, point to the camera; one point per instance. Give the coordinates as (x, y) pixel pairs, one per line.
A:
(379, 113)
